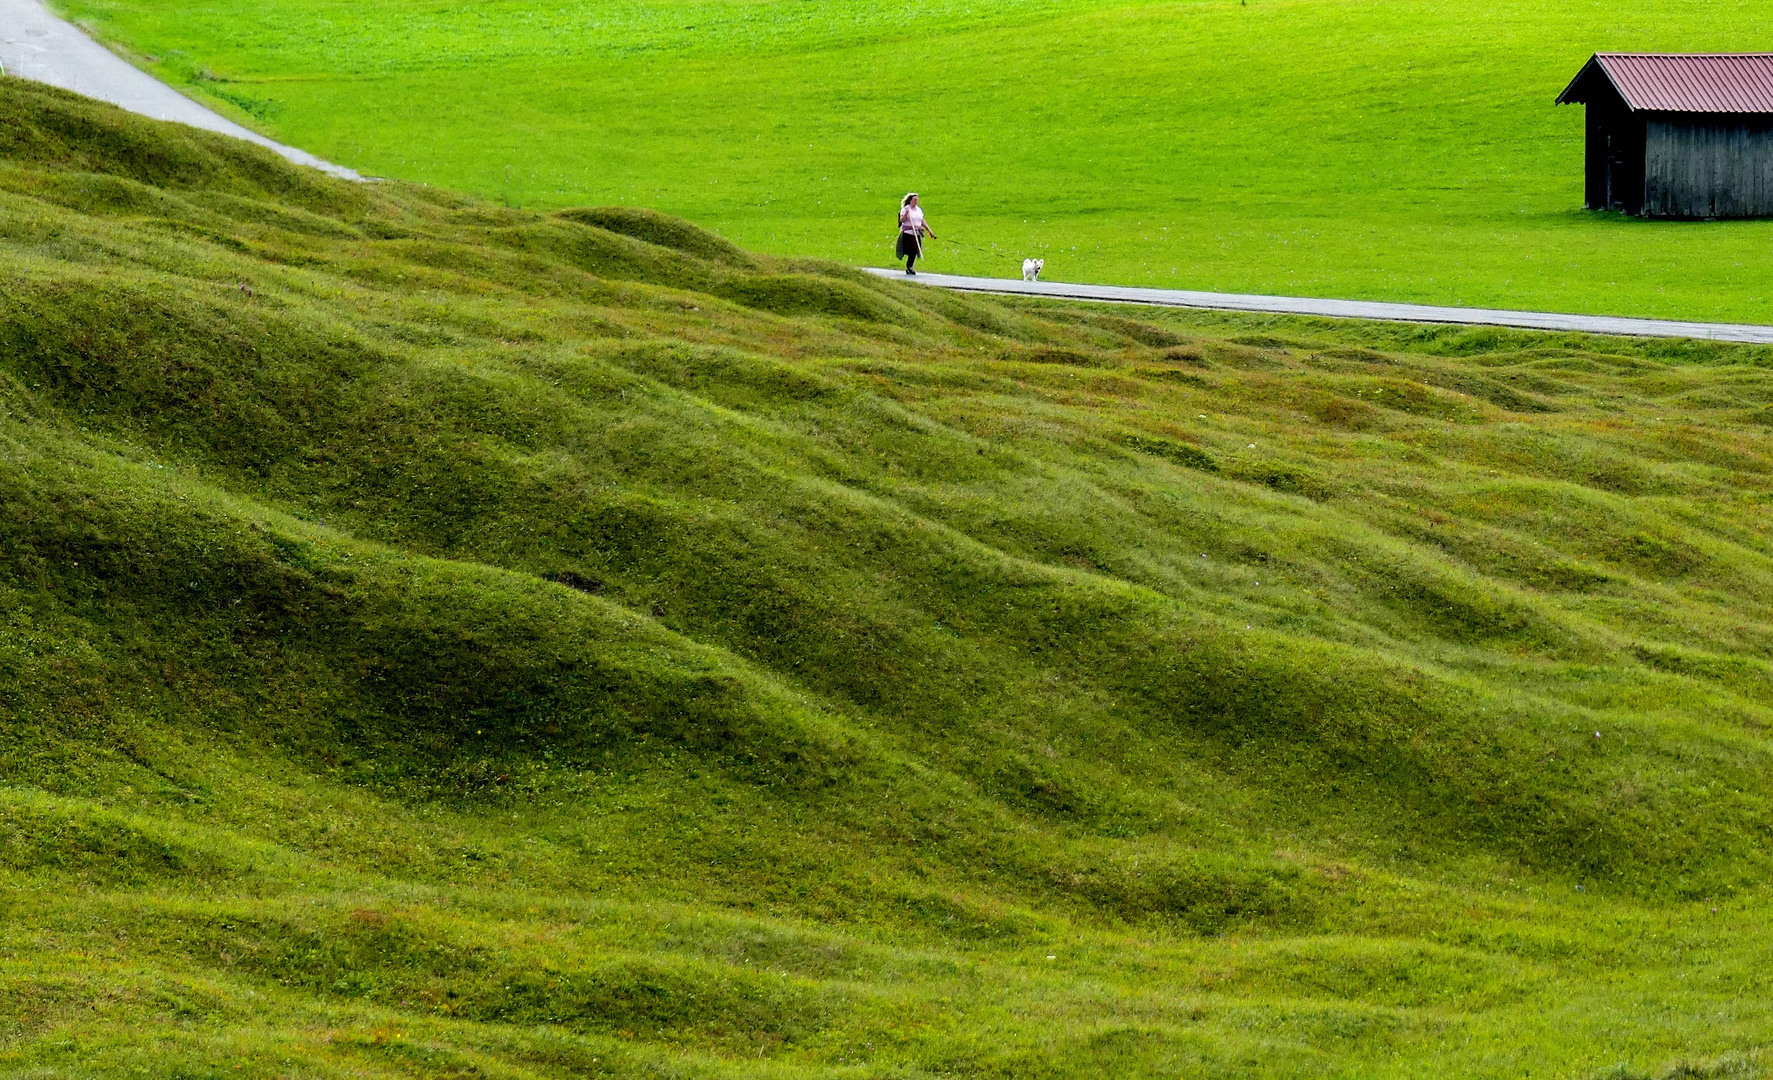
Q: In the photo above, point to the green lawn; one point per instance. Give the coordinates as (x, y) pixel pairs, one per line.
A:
(446, 640)
(1383, 150)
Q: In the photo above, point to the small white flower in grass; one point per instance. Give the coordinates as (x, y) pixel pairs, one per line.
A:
(1252, 446)
(1055, 957)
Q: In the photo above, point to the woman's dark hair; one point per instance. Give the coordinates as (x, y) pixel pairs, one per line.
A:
(906, 201)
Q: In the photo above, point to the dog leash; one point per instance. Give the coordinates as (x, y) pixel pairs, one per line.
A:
(982, 251)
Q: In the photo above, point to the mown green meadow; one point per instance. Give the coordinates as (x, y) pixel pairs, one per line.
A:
(1398, 150)
(443, 639)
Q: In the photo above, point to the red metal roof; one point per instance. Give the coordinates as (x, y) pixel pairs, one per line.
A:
(1681, 82)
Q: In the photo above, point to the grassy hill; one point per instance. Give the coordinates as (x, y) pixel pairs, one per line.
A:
(1399, 150)
(442, 639)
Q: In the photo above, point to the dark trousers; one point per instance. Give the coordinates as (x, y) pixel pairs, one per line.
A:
(910, 248)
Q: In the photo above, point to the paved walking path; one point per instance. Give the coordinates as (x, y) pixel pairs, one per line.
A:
(37, 45)
(1346, 309)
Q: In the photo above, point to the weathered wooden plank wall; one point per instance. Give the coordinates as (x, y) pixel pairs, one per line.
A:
(1708, 168)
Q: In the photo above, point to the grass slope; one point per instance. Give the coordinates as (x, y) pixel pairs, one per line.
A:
(443, 639)
(1399, 150)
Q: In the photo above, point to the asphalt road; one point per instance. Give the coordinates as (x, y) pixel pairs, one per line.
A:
(1345, 309)
(37, 45)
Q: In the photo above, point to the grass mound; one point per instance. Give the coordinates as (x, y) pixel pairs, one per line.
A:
(661, 229)
(437, 637)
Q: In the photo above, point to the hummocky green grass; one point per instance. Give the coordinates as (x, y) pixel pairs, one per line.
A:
(1397, 149)
(443, 639)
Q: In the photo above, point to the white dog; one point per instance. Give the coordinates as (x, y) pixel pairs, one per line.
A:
(1031, 269)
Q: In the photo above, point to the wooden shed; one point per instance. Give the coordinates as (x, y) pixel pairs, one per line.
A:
(1687, 135)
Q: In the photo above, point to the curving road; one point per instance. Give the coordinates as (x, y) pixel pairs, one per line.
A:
(38, 45)
(1346, 309)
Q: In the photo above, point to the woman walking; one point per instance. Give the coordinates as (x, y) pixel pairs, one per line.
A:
(912, 230)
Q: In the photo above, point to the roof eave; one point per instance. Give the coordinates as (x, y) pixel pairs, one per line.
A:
(1569, 96)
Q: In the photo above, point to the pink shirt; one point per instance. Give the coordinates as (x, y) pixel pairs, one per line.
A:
(911, 219)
